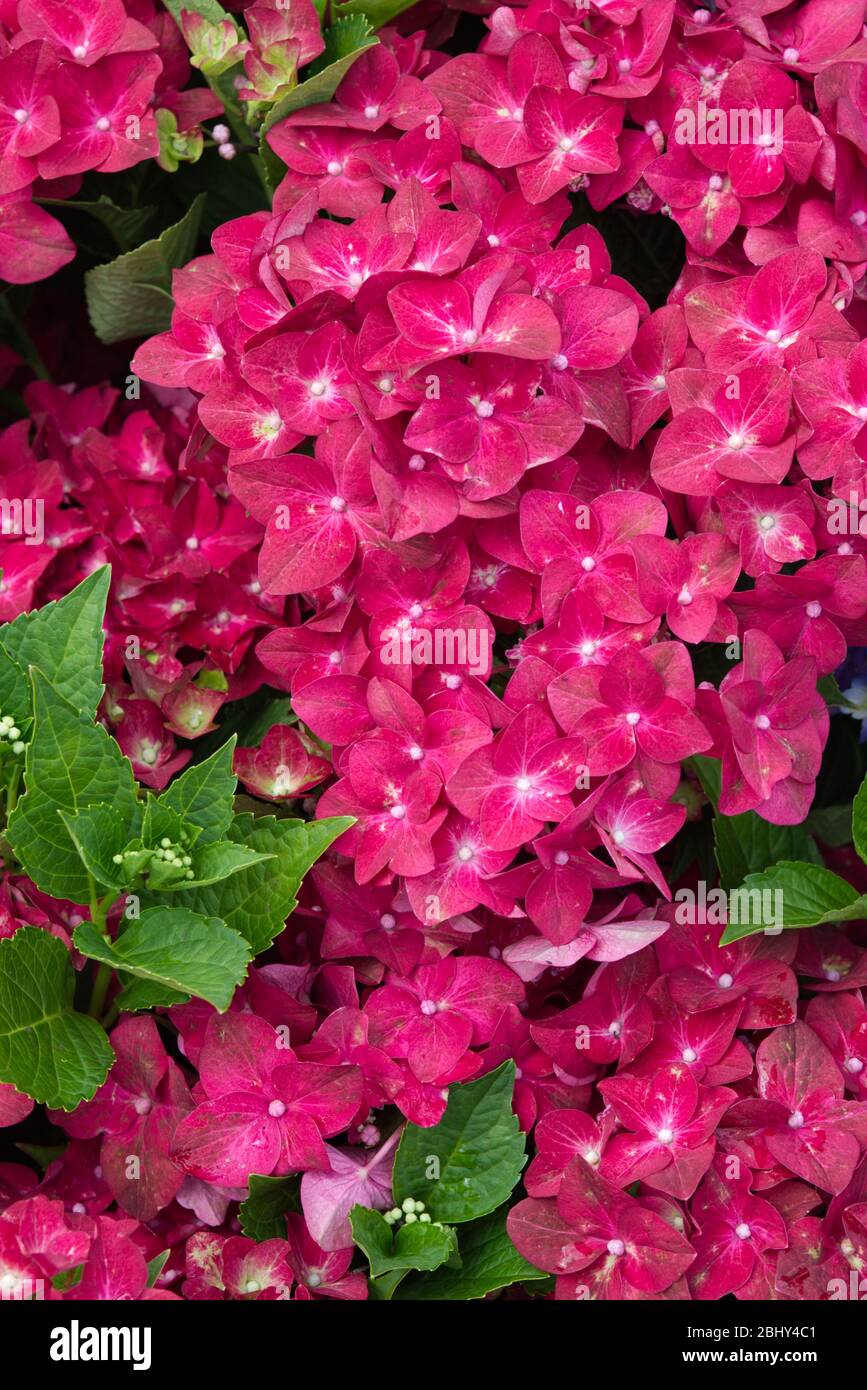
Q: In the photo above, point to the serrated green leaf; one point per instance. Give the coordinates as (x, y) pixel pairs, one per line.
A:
(163, 822)
(64, 639)
(859, 820)
(175, 949)
(344, 37)
(98, 834)
(746, 844)
(203, 794)
(489, 1261)
(321, 86)
(808, 897)
(47, 1050)
(130, 297)
(14, 688)
(71, 764)
(257, 901)
(216, 862)
(417, 1246)
(468, 1164)
(376, 12)
(263, 1214)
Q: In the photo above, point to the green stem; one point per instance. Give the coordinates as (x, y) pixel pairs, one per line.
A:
(111, 1016)
(97, 908)
(22, 340)
(100, 989)
(12, 790)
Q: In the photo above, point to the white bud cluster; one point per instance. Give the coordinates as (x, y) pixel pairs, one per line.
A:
(409, 1212)
(175, 856)
(9, 730)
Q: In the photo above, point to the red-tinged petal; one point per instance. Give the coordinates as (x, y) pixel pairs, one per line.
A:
(548, 1241)
(224, 1141)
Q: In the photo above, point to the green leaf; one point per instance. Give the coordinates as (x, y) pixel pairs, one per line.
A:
(64, 639)
(98, 834)
(263, 1214)
(747, 844)
(156, 1266)
(175, 949)
(381, 1290)
(124, 224)
(709, 773)
(343, 39)
(330, 69)
(376, 12)
(208, 9)
(43, 1154)
(859, 820)
(418, 1246)
(257, 724)
(204, 794)
(802, 895)
(833, 825)
(130, 297)
(71, 764)
(47, 1050)
(257, 901)
(477, 1150)
(217, 862)
(832, 694)
(14, 688)
(489, 1261)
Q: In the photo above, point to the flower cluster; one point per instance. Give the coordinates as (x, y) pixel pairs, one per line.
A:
(92, 479)
(81, 87)
(528, 557)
